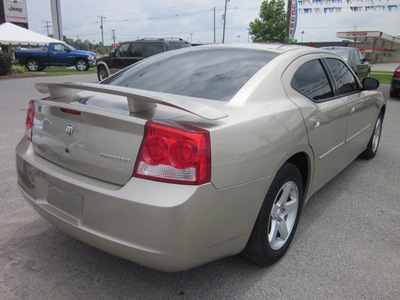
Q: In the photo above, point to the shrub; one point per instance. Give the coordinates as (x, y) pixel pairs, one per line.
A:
(5, 63)
(18, 69)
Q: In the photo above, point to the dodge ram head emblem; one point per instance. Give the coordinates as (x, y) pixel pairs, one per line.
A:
(70, 129)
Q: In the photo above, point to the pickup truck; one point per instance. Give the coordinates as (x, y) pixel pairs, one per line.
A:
(55, 54)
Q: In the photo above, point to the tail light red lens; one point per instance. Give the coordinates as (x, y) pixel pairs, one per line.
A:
(174, 152)
(29, 120)
(397, 72)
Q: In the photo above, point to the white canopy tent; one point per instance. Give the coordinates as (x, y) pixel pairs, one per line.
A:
(13, 35)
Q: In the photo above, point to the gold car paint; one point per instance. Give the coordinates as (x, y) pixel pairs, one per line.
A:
(200, 223)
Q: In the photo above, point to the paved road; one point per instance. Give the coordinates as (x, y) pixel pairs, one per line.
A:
(390, 67)
(347, 245)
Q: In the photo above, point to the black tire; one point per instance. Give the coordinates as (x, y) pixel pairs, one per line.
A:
(82, 64)
(394, 94)
(267, 245)
(373, 144)
(33, 65)
(102, 73)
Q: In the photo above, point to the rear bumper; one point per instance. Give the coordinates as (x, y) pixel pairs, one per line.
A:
(162, 226)
(395, 86)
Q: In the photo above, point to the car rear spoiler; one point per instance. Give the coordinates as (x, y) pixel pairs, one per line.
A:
(138, 100)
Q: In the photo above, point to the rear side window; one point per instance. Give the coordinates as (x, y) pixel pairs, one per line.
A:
(203, 72)
(345, 81)
(153, 48)
(311, 81)
(177, 45)
(135, 50)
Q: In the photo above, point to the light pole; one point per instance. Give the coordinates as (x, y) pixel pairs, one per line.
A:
(238, 38)
(223, 32)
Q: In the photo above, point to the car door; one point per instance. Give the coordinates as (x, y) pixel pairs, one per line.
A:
(59, 55)
(309, 86)
(126, 54)
(360, 108)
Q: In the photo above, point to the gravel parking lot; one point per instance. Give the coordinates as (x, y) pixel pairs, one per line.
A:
(347, 245)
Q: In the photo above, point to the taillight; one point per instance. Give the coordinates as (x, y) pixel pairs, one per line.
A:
(29, 120)
(397, 72)
(174, 152)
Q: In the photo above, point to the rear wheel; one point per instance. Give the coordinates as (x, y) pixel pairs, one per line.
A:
(101, 73)
(33, 65)
(81, 65)
(278, 218)
(373, 143)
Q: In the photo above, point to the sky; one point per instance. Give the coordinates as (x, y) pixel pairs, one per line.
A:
(193, 20)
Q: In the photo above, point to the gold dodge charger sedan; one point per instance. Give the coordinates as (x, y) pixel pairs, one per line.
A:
(196, 154)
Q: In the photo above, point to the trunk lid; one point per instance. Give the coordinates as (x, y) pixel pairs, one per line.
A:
(98, 134)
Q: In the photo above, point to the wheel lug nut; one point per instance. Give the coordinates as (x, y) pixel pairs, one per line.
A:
(283, 210)
(279, 220)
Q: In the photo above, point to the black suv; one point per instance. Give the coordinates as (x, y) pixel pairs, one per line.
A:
(128, 53)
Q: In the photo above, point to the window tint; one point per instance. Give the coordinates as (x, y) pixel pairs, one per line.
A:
(153, 48)
(135, 50)
(204, 72)
(122, 50)
(311, 81)
(345, 81)
(176, 45)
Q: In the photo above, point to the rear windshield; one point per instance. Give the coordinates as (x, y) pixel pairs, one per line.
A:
(203, 72)
(343, 53)
(171, 45)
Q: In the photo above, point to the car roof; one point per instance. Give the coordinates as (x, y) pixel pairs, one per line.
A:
(271, 47)
(339, 48)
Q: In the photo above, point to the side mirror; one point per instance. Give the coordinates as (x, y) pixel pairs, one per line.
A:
(370, 84)
(112, 54)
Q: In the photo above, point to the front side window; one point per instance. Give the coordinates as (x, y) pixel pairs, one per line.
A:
(59, 47)
(311, 81)
(122, 50)
(345, 81)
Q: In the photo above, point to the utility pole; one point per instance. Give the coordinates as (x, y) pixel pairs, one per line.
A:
(113, 36)
(215, 35)
(223, 33)
(47, 27)
(101, 27)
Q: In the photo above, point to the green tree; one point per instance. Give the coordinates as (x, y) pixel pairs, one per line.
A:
(272, 26)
